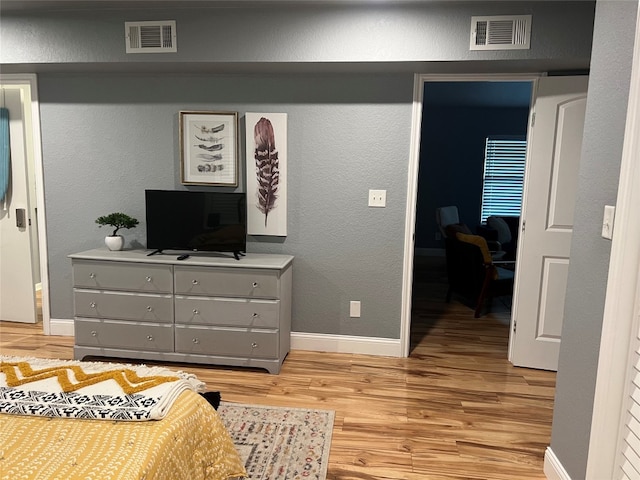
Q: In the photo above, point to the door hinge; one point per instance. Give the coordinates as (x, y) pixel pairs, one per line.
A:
(514, 326)
(533, 119)
(524, 222)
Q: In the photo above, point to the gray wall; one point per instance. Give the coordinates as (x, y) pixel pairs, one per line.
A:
(609, 82)
(284, 34)
(108, 136)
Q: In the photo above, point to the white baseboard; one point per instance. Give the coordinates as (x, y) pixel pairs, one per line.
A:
(553, 469)
(316, 342)
(61, 326)
(322, 342)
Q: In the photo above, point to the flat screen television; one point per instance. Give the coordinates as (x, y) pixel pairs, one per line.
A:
(196, 221)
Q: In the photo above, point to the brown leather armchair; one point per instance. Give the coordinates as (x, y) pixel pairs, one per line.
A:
(472, 272)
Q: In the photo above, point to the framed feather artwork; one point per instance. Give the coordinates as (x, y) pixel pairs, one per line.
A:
(266, 173)
(209, 148)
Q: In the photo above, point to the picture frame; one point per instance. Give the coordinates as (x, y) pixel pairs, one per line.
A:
(209, 148)
(266, 170)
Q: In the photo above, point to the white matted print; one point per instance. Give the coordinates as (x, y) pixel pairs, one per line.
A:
(209, 148)
(266, 173)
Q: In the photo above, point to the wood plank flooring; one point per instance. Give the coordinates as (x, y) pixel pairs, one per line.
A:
(455, 409)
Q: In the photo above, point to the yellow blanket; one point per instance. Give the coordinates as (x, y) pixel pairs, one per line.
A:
(190, 443)
(73, 389)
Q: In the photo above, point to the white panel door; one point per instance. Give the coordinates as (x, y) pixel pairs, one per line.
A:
(17, 286)
(553, 159)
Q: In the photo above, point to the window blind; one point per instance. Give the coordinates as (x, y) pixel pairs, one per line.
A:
(503, 179)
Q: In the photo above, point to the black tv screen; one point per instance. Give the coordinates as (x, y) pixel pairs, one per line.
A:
(196, 221)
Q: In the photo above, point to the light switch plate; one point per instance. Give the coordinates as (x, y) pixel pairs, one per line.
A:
(354, 308)
(377, 198)
(607, 221)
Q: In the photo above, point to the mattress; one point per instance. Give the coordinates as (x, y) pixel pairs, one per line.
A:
(189, 443)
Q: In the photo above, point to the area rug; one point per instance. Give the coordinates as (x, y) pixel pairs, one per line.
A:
(280, 443)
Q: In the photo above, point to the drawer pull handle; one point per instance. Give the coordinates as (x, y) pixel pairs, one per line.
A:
(196, 311)
(148, 278)
(92, 275)
(94, 333)
(149, 308)
(195, 282)
(150, 337)
(196, 341)
(255, 284)
(255, 315)
(92, 304)
(254, 345)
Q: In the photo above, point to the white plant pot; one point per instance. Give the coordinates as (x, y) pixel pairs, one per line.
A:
(114, 242)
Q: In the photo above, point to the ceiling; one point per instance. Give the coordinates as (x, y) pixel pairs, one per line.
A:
(505, 94)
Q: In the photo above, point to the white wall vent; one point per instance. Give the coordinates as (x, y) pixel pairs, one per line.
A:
(151, 37)
(504, 32)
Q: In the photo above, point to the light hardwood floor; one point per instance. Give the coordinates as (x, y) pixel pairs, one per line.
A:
(455, 409)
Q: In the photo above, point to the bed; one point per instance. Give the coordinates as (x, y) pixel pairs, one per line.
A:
(84, 431)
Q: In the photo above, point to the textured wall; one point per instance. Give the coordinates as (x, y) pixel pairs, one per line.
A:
(107, 138)
(410, 32)
(609, 81)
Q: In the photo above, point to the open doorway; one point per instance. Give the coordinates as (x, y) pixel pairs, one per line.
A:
(459, 119)
(554, 144)
(24, 271)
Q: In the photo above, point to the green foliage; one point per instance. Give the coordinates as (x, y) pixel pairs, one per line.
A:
(117, 220)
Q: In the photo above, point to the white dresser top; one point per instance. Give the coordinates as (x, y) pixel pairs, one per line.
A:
(206, 259)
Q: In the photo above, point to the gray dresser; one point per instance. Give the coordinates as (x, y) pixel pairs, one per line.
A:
(206, 309)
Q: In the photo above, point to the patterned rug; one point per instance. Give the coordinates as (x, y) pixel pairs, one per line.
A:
(280, 443)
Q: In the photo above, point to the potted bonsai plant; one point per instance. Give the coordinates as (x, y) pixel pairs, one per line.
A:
(117, 221)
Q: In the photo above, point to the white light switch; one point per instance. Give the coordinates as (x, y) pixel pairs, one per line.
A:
(354, 308)
(607, 221)
(377, 198)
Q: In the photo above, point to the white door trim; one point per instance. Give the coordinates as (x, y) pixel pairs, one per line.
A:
(412, 183)
(31, 80)
(621, 297)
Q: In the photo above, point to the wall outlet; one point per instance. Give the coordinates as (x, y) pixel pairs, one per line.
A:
(354, 308)
(377, 198)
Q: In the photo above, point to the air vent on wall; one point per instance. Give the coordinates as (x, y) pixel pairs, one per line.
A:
(151, 37)
(504, 32)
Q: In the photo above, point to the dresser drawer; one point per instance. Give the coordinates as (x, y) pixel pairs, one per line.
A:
(136, 336)
(226, 342)
(233, 312)
(138, 307)
(139, 277)
(236, 282)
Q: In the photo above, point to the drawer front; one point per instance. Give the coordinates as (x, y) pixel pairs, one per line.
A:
(233, 312)
(139, 277)
(226, 342)
(136, 336)
(139, 307)
(239, 282)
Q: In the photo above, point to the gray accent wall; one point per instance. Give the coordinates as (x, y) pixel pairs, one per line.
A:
(109, 137)
(344, 76)
(284, 34)
(613, 40)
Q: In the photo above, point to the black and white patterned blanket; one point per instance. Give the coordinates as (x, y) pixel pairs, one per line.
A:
(101, 391)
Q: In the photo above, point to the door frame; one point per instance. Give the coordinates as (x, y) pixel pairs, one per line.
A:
(419, 80)
(31, 81)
